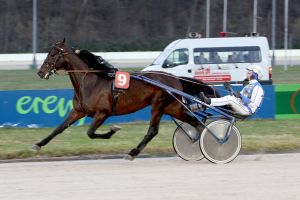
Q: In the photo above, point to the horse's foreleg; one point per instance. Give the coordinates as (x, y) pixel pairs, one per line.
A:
(72, 117)
(152, 131)
(98, 121)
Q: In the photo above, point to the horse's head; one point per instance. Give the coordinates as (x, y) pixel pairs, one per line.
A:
(54, 60)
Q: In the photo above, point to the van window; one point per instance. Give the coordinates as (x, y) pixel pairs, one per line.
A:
(219, 55)
(177, 57)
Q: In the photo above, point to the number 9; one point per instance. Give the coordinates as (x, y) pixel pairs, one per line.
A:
(122, 79)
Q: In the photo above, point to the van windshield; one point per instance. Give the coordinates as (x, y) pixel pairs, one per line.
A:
(161, 58)
(219, 55)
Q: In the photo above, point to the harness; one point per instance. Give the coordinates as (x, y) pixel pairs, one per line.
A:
(115, 95)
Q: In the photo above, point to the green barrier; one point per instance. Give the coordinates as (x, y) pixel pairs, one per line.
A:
(287, 105)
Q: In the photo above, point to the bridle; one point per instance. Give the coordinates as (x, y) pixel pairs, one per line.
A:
(50, 67)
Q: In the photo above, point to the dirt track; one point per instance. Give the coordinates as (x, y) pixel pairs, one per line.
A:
(247, 177)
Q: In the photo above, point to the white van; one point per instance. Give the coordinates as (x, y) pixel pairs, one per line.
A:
(215, 60)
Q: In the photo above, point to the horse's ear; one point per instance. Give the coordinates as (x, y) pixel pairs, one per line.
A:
(63, 42)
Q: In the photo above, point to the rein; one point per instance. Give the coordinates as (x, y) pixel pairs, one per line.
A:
(184, 79)
(173, 76)
(62, 53)
(187, 80)
(84, 71)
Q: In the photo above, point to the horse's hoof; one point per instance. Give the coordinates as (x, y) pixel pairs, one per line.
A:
(36, 148)
(129, 157)
(115, 128)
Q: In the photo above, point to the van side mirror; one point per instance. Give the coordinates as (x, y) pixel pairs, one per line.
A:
(166, 64)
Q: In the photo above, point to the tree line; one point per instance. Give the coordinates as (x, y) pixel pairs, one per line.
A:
(134, 25)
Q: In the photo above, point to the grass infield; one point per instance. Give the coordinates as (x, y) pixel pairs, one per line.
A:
(258, 136)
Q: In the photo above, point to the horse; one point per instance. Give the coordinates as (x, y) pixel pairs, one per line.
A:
(94, 96)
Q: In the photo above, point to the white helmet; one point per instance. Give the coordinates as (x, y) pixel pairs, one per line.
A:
(257, 69)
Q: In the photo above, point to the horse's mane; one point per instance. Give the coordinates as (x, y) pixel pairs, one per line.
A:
(93, 61)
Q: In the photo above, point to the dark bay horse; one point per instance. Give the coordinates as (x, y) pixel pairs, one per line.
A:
(93, 95)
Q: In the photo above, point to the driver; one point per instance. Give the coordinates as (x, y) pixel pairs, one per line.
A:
(245, 102)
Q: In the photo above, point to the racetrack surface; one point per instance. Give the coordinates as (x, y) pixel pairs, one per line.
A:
(266, 176)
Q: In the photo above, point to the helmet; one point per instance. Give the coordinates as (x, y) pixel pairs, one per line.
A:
(257, 69)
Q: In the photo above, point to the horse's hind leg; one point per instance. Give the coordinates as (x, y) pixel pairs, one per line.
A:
(152, 131)
(72, 117)
(98, 121)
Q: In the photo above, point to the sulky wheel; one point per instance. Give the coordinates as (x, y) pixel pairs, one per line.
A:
(215, 148)
(187, 148)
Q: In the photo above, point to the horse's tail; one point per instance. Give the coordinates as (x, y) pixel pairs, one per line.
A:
(194, 87)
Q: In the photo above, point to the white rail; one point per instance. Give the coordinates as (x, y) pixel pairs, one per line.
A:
(120, 59)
